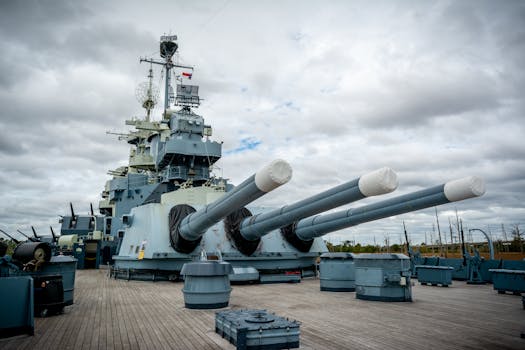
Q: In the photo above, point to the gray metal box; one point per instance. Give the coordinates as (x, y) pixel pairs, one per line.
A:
(206, 284)
(382, 277)
(257, 329)
(508, 280)
(16, 306)
(435, 275)
(337, 272)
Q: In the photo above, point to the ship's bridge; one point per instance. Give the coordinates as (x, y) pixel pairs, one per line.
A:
(187, 153)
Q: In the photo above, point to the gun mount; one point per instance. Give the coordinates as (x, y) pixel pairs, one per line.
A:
(247, 233)
(10, 237)
(187, 225)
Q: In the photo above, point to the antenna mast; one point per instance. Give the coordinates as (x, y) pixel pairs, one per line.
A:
(168, 47)
(149, 100)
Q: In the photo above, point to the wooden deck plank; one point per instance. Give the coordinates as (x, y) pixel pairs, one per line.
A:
(133, 335)
(116, 314)
(134, 318)
(58, 333)
(88, 325)
(149, 328)
(109, 321)
(127, 340)
(178, 331)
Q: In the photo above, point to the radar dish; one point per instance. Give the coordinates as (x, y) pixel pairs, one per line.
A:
(147, 94)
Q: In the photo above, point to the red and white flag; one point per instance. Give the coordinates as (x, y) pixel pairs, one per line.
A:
(187, 75)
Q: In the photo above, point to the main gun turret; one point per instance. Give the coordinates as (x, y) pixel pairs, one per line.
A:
(188, 225)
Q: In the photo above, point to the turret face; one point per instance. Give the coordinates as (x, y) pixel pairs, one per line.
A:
(194, 224)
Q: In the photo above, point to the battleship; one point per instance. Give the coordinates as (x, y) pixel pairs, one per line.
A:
(166, 207)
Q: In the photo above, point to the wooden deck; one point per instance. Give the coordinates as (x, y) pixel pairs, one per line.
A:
(116, 314)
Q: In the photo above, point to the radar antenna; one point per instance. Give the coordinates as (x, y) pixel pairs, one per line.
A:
(147, 93)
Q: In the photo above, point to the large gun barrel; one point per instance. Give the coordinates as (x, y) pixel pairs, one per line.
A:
(246, 231)
(191, 225)
(28, 237)
(452, 191)
(378, 182)
(34, 233)
(55, 239)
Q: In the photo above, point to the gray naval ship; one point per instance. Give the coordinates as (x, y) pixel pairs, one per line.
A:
(167, 207)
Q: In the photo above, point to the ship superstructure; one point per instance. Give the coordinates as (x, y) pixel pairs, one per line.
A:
(165, 155)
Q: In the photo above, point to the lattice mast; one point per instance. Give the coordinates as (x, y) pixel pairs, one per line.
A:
(168, 48)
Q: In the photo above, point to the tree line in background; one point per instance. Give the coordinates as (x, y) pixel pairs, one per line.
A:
(514, 245)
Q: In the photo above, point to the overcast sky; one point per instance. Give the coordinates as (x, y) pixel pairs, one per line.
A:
(434, 90)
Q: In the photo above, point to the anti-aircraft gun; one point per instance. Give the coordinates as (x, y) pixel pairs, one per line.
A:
(29, 238)
(53, 276)
(86, 237)
(29, 255)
